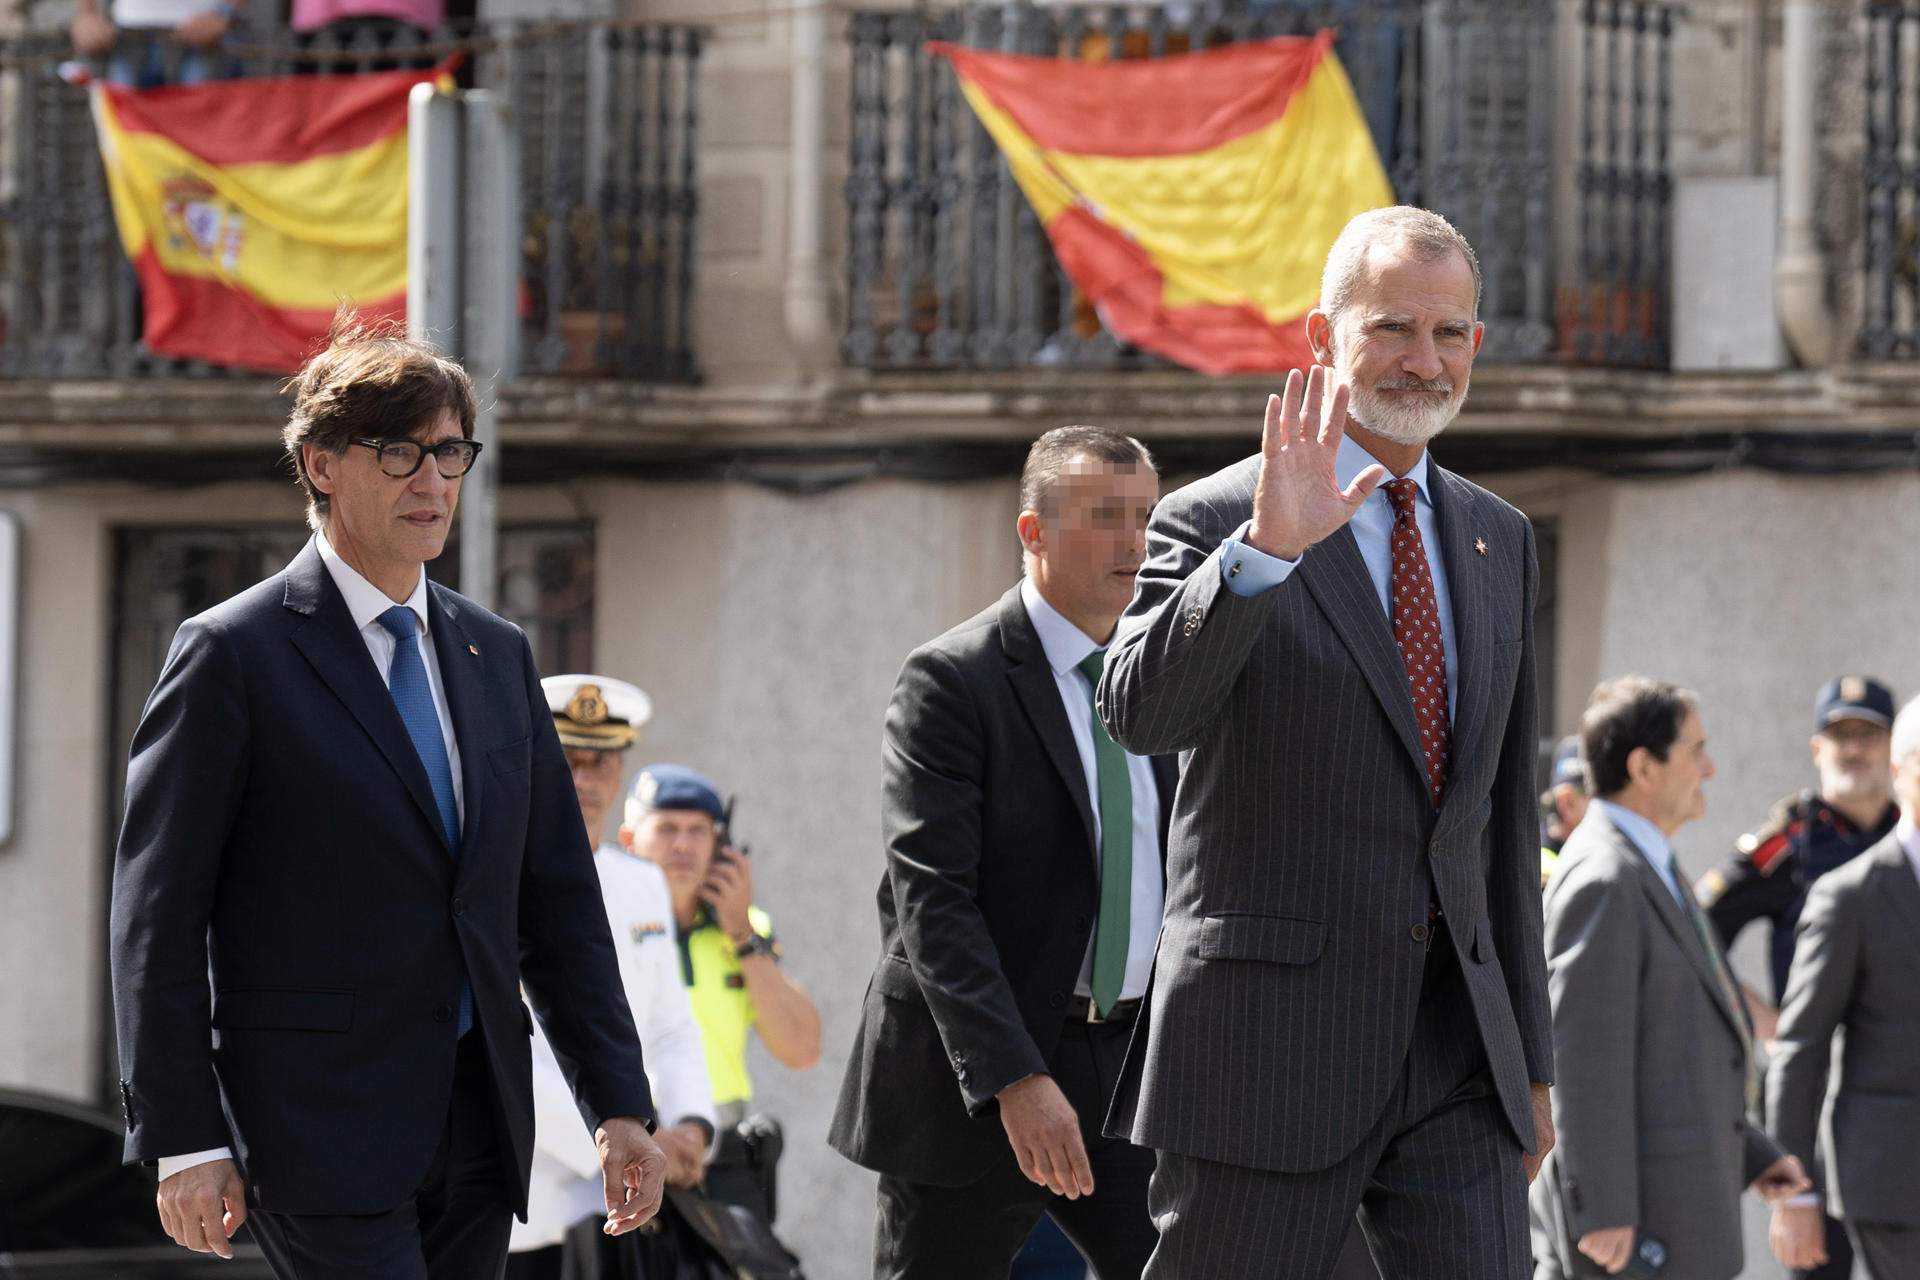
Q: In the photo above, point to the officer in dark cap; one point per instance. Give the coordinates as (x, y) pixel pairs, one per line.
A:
(1806, 836)
(1562, 804)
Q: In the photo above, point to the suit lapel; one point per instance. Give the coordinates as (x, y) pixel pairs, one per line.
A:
(1453, 504)
(1903, 887)
(1033, 684)
(333, 647)
(461, 672)
(1337, 576)
(1685, 936)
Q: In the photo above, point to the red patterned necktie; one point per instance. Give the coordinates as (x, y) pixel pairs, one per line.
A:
(1416, 629)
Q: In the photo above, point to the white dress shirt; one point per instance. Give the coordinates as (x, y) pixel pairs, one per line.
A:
(1248, 572)
(1651, 843)
(1067, 646)
(565, 1185)
(366, 603)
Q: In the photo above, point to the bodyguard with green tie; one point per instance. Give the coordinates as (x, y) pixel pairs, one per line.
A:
(1025, 861)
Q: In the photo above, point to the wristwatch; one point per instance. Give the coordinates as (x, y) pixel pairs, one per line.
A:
(754, 946)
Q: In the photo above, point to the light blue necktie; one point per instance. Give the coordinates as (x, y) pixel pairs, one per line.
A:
(413, 697)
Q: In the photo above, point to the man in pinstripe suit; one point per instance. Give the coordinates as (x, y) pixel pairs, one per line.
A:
(1349, 1005)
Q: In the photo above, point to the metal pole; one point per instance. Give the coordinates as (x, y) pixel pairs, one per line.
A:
(433, 218)
(489, 321)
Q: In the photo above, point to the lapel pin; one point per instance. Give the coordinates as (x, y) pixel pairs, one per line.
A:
(476, 653)
(1480, 545)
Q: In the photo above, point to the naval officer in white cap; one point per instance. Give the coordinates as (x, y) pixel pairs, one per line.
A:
(598, 719)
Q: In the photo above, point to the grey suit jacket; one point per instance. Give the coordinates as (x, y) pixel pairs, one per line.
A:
(1304, 847)
(1649, 1109)
(1856, 965)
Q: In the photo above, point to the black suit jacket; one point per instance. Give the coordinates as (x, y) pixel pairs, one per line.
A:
(289, 927)
(987, 903)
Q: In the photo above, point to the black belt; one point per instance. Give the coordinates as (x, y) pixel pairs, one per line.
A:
(1082, 1009)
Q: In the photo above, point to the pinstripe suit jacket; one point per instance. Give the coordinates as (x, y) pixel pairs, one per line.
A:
(1304, 849)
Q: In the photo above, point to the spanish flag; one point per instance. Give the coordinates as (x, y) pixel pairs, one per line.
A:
(1191, 198)
(252, 208)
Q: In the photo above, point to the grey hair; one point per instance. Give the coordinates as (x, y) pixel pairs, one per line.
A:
(1906, 732)
(1427, 234)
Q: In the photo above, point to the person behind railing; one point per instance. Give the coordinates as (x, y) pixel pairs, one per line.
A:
(383, 26)
(147, 43)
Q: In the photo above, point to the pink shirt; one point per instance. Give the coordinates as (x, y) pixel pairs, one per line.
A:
(310, 15)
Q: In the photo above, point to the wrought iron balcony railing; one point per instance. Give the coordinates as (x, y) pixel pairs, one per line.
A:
(608, 114)
(947, 267)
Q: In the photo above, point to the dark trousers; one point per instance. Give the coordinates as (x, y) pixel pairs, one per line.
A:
(1891, 1250)
(455, 1227)
(1839, 1264)
(1438, 1181)
(973, 1232)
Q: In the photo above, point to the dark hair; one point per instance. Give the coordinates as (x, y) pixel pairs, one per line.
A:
(371, 381)
(1626, 714)
(1052, 452)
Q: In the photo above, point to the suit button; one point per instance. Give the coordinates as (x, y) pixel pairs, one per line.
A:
(459, 905)
(1740, 1065)
(1083, 921)
(1058, 1000)
(1739, 1126)
(1419, 932)
(443, 1013)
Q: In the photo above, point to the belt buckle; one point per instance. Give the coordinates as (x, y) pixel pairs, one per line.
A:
(1093, 1012)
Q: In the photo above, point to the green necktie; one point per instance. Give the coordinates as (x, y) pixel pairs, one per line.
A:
(1116, 855)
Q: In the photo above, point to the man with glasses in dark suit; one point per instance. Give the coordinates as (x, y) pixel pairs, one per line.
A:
(350, 836)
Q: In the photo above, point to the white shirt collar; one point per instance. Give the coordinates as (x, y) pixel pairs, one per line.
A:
(1353, 458)
(1066, 645)
(365, 601)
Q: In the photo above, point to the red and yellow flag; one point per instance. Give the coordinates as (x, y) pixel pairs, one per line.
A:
(1192, 198)
(252, 208)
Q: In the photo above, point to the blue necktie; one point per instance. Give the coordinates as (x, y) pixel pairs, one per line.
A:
(413, 697)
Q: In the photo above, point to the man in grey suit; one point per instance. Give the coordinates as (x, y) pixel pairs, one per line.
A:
(1856, 969)
(1651, 1036)
(1349, 1000)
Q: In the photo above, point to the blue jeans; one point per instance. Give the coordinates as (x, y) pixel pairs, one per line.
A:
(139, 61)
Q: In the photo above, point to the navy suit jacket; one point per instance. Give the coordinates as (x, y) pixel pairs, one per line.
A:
(289, 927)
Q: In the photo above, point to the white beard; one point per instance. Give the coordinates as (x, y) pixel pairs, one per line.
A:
(1403, 422)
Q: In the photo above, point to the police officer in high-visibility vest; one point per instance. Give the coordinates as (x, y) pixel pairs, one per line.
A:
(729, 957)
(1562, 805)
(1806, 836)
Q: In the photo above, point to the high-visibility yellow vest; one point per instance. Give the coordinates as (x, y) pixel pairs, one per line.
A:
(721, 1003)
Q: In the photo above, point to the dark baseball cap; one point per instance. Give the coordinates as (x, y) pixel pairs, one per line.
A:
(1853, 698)
(1567, 765)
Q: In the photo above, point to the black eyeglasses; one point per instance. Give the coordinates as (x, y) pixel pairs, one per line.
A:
(401, 458)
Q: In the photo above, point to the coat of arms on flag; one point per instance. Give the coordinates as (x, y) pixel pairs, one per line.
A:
(251, 209)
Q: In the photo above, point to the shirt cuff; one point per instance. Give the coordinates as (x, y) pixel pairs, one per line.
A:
(1248, 572)
(170, 1165)
(1805, 1200)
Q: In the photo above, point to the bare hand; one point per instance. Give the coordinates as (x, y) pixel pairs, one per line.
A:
(1611, 1248)
(633, 1170)
(202, 29)
(685, 1146)
(1783, 1180)
(203, 1206)
(1799, 1236)
(1045, 1133)
(1542, 1098)
(93, 35)
(729, 891)
(1297, 501)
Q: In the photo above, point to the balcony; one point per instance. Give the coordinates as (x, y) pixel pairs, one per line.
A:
(608, 117)
(948, 269)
